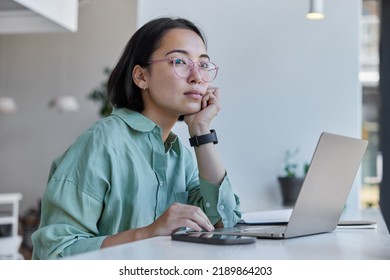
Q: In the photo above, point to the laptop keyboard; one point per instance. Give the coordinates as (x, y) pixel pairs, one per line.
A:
(254, 229)
(265, 229)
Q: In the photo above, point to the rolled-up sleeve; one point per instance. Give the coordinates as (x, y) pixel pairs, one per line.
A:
(218, 202)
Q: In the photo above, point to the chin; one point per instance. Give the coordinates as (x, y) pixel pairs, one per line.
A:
(189, 110)
(193, 109)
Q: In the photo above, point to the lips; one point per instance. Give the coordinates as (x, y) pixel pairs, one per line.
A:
(194, 94)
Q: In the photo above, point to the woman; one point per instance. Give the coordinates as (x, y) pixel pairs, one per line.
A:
(128, 177)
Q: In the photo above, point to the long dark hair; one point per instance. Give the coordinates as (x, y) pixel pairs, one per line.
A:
(122, 90)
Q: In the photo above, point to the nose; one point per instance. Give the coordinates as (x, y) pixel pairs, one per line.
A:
(195, 76)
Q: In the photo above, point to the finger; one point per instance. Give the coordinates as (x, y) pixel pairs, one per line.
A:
(186, 222)
(196, 215)
(188, 214)
(209, 98)
(193, 226)
(214, 90)
(205, 100)
(202, 220)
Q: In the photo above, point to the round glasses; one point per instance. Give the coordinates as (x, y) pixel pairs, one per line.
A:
(184, 66)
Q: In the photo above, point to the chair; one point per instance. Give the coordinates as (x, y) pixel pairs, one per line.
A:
(9, 219)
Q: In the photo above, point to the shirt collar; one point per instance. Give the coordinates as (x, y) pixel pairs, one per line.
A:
(141, 123)
(134, 119)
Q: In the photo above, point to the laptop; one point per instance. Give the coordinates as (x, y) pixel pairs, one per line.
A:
(333, 168)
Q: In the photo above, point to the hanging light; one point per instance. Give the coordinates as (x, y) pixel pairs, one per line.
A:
(316, 10)
(7, 105)
(64, 103)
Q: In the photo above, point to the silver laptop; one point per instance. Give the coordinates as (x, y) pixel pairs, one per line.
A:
(323, 195)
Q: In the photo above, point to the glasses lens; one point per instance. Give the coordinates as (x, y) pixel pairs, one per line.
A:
(183, 68)
(208, 71)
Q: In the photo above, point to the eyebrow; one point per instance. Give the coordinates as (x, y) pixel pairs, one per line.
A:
(186, 53)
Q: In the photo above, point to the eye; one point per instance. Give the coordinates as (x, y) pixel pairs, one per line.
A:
(206, 65)
(179, 61)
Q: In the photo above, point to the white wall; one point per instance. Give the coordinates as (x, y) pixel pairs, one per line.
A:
(284, 80)
(37, 67)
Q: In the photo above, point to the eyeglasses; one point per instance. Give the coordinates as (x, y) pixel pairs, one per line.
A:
(183, 68)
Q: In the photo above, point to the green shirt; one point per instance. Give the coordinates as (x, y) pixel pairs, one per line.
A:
(119, 175)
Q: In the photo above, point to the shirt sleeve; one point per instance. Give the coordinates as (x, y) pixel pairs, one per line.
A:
(218, 201)
(73, 202)
(68, 222)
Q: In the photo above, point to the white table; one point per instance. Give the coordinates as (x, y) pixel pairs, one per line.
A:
(351, 244)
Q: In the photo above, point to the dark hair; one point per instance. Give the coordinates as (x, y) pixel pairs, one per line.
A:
(122, 90)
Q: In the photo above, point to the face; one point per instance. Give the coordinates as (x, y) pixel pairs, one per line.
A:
(168, 95)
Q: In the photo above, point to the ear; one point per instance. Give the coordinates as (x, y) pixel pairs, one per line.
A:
(139, 77)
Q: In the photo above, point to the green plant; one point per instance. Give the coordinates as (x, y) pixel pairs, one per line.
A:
(290, 167)
(100, 95)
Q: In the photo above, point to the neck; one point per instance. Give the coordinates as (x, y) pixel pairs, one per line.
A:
(166, 123)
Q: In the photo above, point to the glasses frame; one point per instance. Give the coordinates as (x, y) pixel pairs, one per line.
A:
(192, 64)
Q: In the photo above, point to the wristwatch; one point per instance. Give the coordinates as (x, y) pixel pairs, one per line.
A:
(204, 139)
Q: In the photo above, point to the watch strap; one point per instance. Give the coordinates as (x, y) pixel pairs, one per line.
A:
(204, 139)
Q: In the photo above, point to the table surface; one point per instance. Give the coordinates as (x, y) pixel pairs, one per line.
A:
(351, 244)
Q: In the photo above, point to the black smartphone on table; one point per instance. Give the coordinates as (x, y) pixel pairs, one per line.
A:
(212, 238)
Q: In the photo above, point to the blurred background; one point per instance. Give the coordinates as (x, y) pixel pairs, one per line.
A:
(284, 79)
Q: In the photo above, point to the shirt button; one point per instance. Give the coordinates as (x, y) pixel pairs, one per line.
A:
(221, 207)
(161, 184)
(208, 205)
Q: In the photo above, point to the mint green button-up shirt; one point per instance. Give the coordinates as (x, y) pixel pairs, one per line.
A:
(119, 175)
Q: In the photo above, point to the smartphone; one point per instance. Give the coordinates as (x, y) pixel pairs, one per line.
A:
(211, 238)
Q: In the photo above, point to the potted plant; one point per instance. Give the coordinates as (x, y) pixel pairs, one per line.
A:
(100, 95)
(291, 182)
